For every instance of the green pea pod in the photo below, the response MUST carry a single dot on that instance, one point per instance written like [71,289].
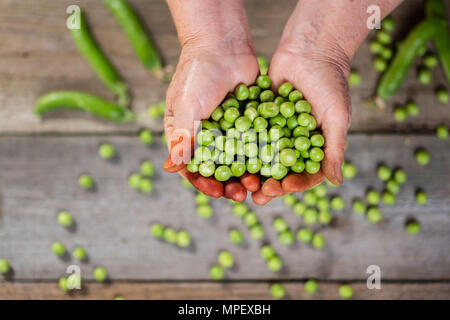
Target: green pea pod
[135,31]
[404,58]
[436,9]
[82,101]
[97,59]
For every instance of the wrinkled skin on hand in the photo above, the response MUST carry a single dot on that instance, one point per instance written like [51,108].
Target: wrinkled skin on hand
[202,80]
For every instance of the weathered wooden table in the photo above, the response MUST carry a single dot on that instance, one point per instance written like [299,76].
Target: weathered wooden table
[41,160]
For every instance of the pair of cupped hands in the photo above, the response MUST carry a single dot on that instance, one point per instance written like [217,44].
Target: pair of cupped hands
[207,72]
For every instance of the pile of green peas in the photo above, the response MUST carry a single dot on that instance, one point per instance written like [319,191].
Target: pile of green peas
[180,238]
[250,218]
[257,131]
[380,46]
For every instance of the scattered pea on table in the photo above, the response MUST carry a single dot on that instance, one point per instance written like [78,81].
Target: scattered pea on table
[311,286]
[277,291]
[106,151]
[100,274]
[79,253]
[413,227]
[216,272]
[58,248]
[65,219]
[85,181]
[236,236]
[4,266]
[345,291]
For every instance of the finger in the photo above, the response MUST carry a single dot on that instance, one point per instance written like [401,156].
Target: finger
[235,191]
[300,182]
[251,182]
[259,198]
[272,188]
[208,185]
[334,127]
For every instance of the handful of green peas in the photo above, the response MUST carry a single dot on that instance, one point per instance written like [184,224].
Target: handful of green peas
[259,131]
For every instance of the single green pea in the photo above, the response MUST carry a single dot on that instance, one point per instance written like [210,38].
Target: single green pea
[119,298]
[292,123]
[354,79]
[65,219]
[146,186]
[216,272]
[223,173]
[202,154]
[288,157]
[249,136]
[280,225]
[146,137]
[241,92]
[412,109]
[275,133]
[413,227]
[302,143]
[267,252]
[134,180]
[422,50]
[430,61]
[295,96]
[217,114]
[254,92]
[267,96]
[374,215]
[277,291]
[275,264]
[225,259]
[442,95]
[325,217]
[304,154]
[263,81]
[373,197]
[388,198]
[337,203]
[379,64]
[290,200]
[386,53]
[392,186]
[422,157]
[251,113]
[183,239]
[302,106]
[400,114]
[384,37]
[278,171]
[400,176]
[230,103]
[207,168]
[421,197]
[268,109]
[320,191]
[359,207]
[260,124]
[317,140]
[312,124]
[298,166]
[310,216]
[231,114]
[85,181]
[316,154]
[257,232]
[225,125]
[236,236]
[225,159]
[106,151]
[305,235]
[266,170]
[278,120]
[375,47]
[285,89]
[58,248]
[266,153]
[242,124]
[4,266]
[253,165]
[346,291]
[286,238]
[157,230]
[312,167]
[309,198]
[207,125]
[318,241]
[304,119]
[201,198]
[147,169]
[237,169]
[300,131]
[442,132]
[170,235]
[323,204]
[388,24]
[384,173]
[79,253]
[424,76]
[205,211]
[311,286]
[62,283]
[279,101]
[205,138]
[299,208]
[285,143]
[220,142]
[100,274]
[250,219]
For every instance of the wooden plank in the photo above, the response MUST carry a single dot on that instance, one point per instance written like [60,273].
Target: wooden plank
[40,57]
[38,177]
[219,291]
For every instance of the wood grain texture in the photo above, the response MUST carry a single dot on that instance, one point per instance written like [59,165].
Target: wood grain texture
[38,177]
[40,57]
[219,291]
